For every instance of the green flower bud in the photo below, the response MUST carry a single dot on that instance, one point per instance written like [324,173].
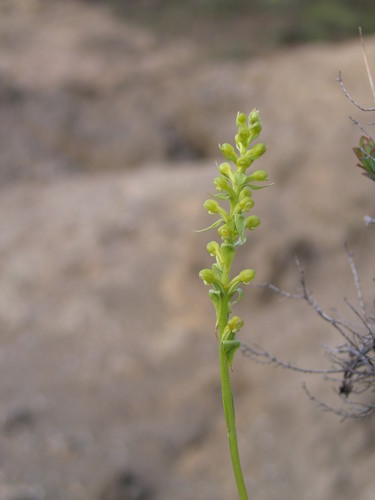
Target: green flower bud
[241,120]
[245,192]
[244,162]
[213,248]
[228,151]
[255,126]
[254,117]
[253,154]
[255,130]
[252,222]
[207,276]
[258,175]
[235,324]
[242,138]
[224,232]
[211,206]
[221,184]
[226,169]
[256,151]
[245,204]
[246,275]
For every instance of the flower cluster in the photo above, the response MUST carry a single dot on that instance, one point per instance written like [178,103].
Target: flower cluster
[234,185]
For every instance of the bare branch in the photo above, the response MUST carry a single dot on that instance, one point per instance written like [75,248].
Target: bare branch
[261,356]
[356,279]
[352,363]
[279,291]
[339,79]
[357,409]
[361,127]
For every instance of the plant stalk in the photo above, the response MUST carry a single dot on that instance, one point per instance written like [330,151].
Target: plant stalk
[229,410]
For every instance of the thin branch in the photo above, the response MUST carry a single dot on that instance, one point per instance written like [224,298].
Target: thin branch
[310,300]
[361,127]
[261,356]
[352,363]
[339,79]
[360,410]
[362,319]
[279,291]
[356,279]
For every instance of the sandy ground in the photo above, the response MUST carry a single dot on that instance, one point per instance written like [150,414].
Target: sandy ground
[109,379]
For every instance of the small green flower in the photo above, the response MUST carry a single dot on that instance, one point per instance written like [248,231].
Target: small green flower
[252,222]
[246,276]
[211,206]
[235,324]
[258,175]
[228,152]
[213,248]
[226,170]
[241,120]
[207,276]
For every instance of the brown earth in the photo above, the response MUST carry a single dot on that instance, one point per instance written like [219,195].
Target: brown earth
[109,381]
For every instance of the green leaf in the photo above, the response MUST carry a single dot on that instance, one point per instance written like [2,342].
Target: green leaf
[230,347]
[240,178]
[366,156]
[255,187]
[217,272]
[216,298]
[240,221]
[240,295]
[215,224]
[222,196]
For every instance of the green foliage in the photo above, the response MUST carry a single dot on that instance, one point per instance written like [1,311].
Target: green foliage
[366,156]
[267,22]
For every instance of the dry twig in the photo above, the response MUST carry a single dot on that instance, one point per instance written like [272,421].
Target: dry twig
[352,362]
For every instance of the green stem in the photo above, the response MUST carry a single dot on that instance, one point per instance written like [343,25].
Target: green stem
[229,410]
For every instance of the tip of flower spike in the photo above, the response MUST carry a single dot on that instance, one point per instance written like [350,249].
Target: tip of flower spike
[254,116]
[241,120]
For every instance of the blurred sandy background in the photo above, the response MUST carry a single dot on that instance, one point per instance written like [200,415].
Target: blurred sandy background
[110,116]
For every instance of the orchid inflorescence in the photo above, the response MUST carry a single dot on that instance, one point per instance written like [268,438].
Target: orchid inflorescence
[235,187]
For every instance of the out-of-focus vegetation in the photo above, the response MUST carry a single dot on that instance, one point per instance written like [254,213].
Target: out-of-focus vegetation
[261,24]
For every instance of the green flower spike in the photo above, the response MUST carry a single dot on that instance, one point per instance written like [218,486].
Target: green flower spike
[235,188]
